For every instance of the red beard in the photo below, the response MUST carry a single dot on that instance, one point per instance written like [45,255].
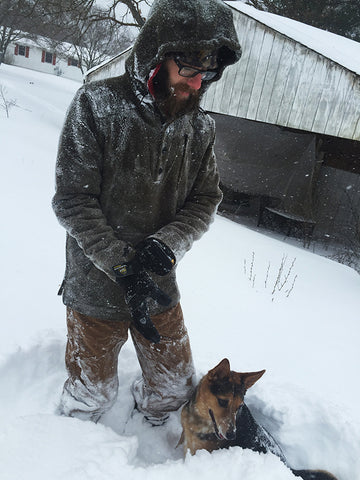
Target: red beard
[177,104]
[179,88]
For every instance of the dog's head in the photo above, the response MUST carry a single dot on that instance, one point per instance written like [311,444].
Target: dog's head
[221,394]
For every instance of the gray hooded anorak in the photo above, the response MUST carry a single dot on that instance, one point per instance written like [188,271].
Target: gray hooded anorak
[123,173]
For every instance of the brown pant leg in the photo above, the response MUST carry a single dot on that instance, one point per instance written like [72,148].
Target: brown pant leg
[91,359]
[167,367]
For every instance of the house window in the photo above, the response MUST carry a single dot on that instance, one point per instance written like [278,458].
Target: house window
[48,57]
[73,62]
[22,50]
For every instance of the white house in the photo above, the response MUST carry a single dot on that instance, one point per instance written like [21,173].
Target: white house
[39,56]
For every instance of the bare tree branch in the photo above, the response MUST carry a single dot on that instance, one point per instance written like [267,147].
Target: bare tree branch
[120,11]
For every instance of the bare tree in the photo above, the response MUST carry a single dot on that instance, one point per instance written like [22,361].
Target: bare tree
[60,18]
[51,18]
[98,40]
[6,103]
[94,33]
[12,14]
[126,12]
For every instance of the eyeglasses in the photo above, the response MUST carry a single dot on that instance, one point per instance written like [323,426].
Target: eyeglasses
[189,72]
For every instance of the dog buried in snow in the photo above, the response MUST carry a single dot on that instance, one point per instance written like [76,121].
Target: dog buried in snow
[217,417]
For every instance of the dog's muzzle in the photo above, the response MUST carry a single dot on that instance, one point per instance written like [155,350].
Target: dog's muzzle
[230,434]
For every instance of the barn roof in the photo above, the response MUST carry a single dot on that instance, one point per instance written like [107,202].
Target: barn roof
[341,50]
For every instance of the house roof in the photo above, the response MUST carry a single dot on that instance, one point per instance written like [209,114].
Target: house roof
[45,43]
[339,49]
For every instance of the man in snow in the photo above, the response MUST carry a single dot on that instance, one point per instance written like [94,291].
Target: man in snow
[136,184]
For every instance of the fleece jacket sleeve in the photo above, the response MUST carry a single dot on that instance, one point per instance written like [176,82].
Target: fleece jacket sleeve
[78,186]
[198,212]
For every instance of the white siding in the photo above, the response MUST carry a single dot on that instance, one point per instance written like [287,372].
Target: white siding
[111,68]
[283,82]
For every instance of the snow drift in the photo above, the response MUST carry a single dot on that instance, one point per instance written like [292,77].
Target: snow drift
[303,329]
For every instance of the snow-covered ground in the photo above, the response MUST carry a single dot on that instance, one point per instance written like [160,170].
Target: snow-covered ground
[305,333]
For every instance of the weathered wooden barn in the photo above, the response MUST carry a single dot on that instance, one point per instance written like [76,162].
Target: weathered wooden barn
[288,128]
[288,123]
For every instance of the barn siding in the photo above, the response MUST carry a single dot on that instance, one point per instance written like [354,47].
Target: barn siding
[280,81]
[111,68]
[352,111]
[323,112]
[300,97]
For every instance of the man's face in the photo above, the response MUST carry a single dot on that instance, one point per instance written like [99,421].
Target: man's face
[182,87]
[177,94]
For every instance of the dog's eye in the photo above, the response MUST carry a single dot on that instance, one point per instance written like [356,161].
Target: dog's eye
[223,402]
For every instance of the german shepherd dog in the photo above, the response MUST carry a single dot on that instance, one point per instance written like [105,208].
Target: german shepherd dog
[217,417]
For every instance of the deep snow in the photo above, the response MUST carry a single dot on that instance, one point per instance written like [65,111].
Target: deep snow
[306,335]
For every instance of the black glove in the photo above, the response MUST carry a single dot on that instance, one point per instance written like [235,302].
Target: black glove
[153,255]
[150,254]
[138,288]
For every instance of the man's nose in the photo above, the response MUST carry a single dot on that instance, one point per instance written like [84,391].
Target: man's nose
[194,82]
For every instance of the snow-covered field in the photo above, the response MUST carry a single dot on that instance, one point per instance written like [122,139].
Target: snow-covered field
[305,333]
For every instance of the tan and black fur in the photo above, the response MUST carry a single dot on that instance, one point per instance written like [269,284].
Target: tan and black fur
[217,417]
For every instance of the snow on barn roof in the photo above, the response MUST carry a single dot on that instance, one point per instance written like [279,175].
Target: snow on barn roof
[109,64]
[341,50]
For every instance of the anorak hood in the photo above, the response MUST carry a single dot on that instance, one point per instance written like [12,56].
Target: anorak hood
[183,26]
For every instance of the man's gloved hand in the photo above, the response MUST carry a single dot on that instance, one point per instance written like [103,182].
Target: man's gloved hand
[150,254]
[138,288]
[155,256]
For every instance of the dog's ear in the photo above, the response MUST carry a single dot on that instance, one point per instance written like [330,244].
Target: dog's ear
[250,378]
[221,371]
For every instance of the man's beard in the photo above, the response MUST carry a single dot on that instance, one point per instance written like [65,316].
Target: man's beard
[177,104]
[169,99]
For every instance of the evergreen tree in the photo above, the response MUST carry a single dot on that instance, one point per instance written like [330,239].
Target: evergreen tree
[337,16]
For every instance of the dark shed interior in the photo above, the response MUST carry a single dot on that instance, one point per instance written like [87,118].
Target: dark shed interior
[297,183]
